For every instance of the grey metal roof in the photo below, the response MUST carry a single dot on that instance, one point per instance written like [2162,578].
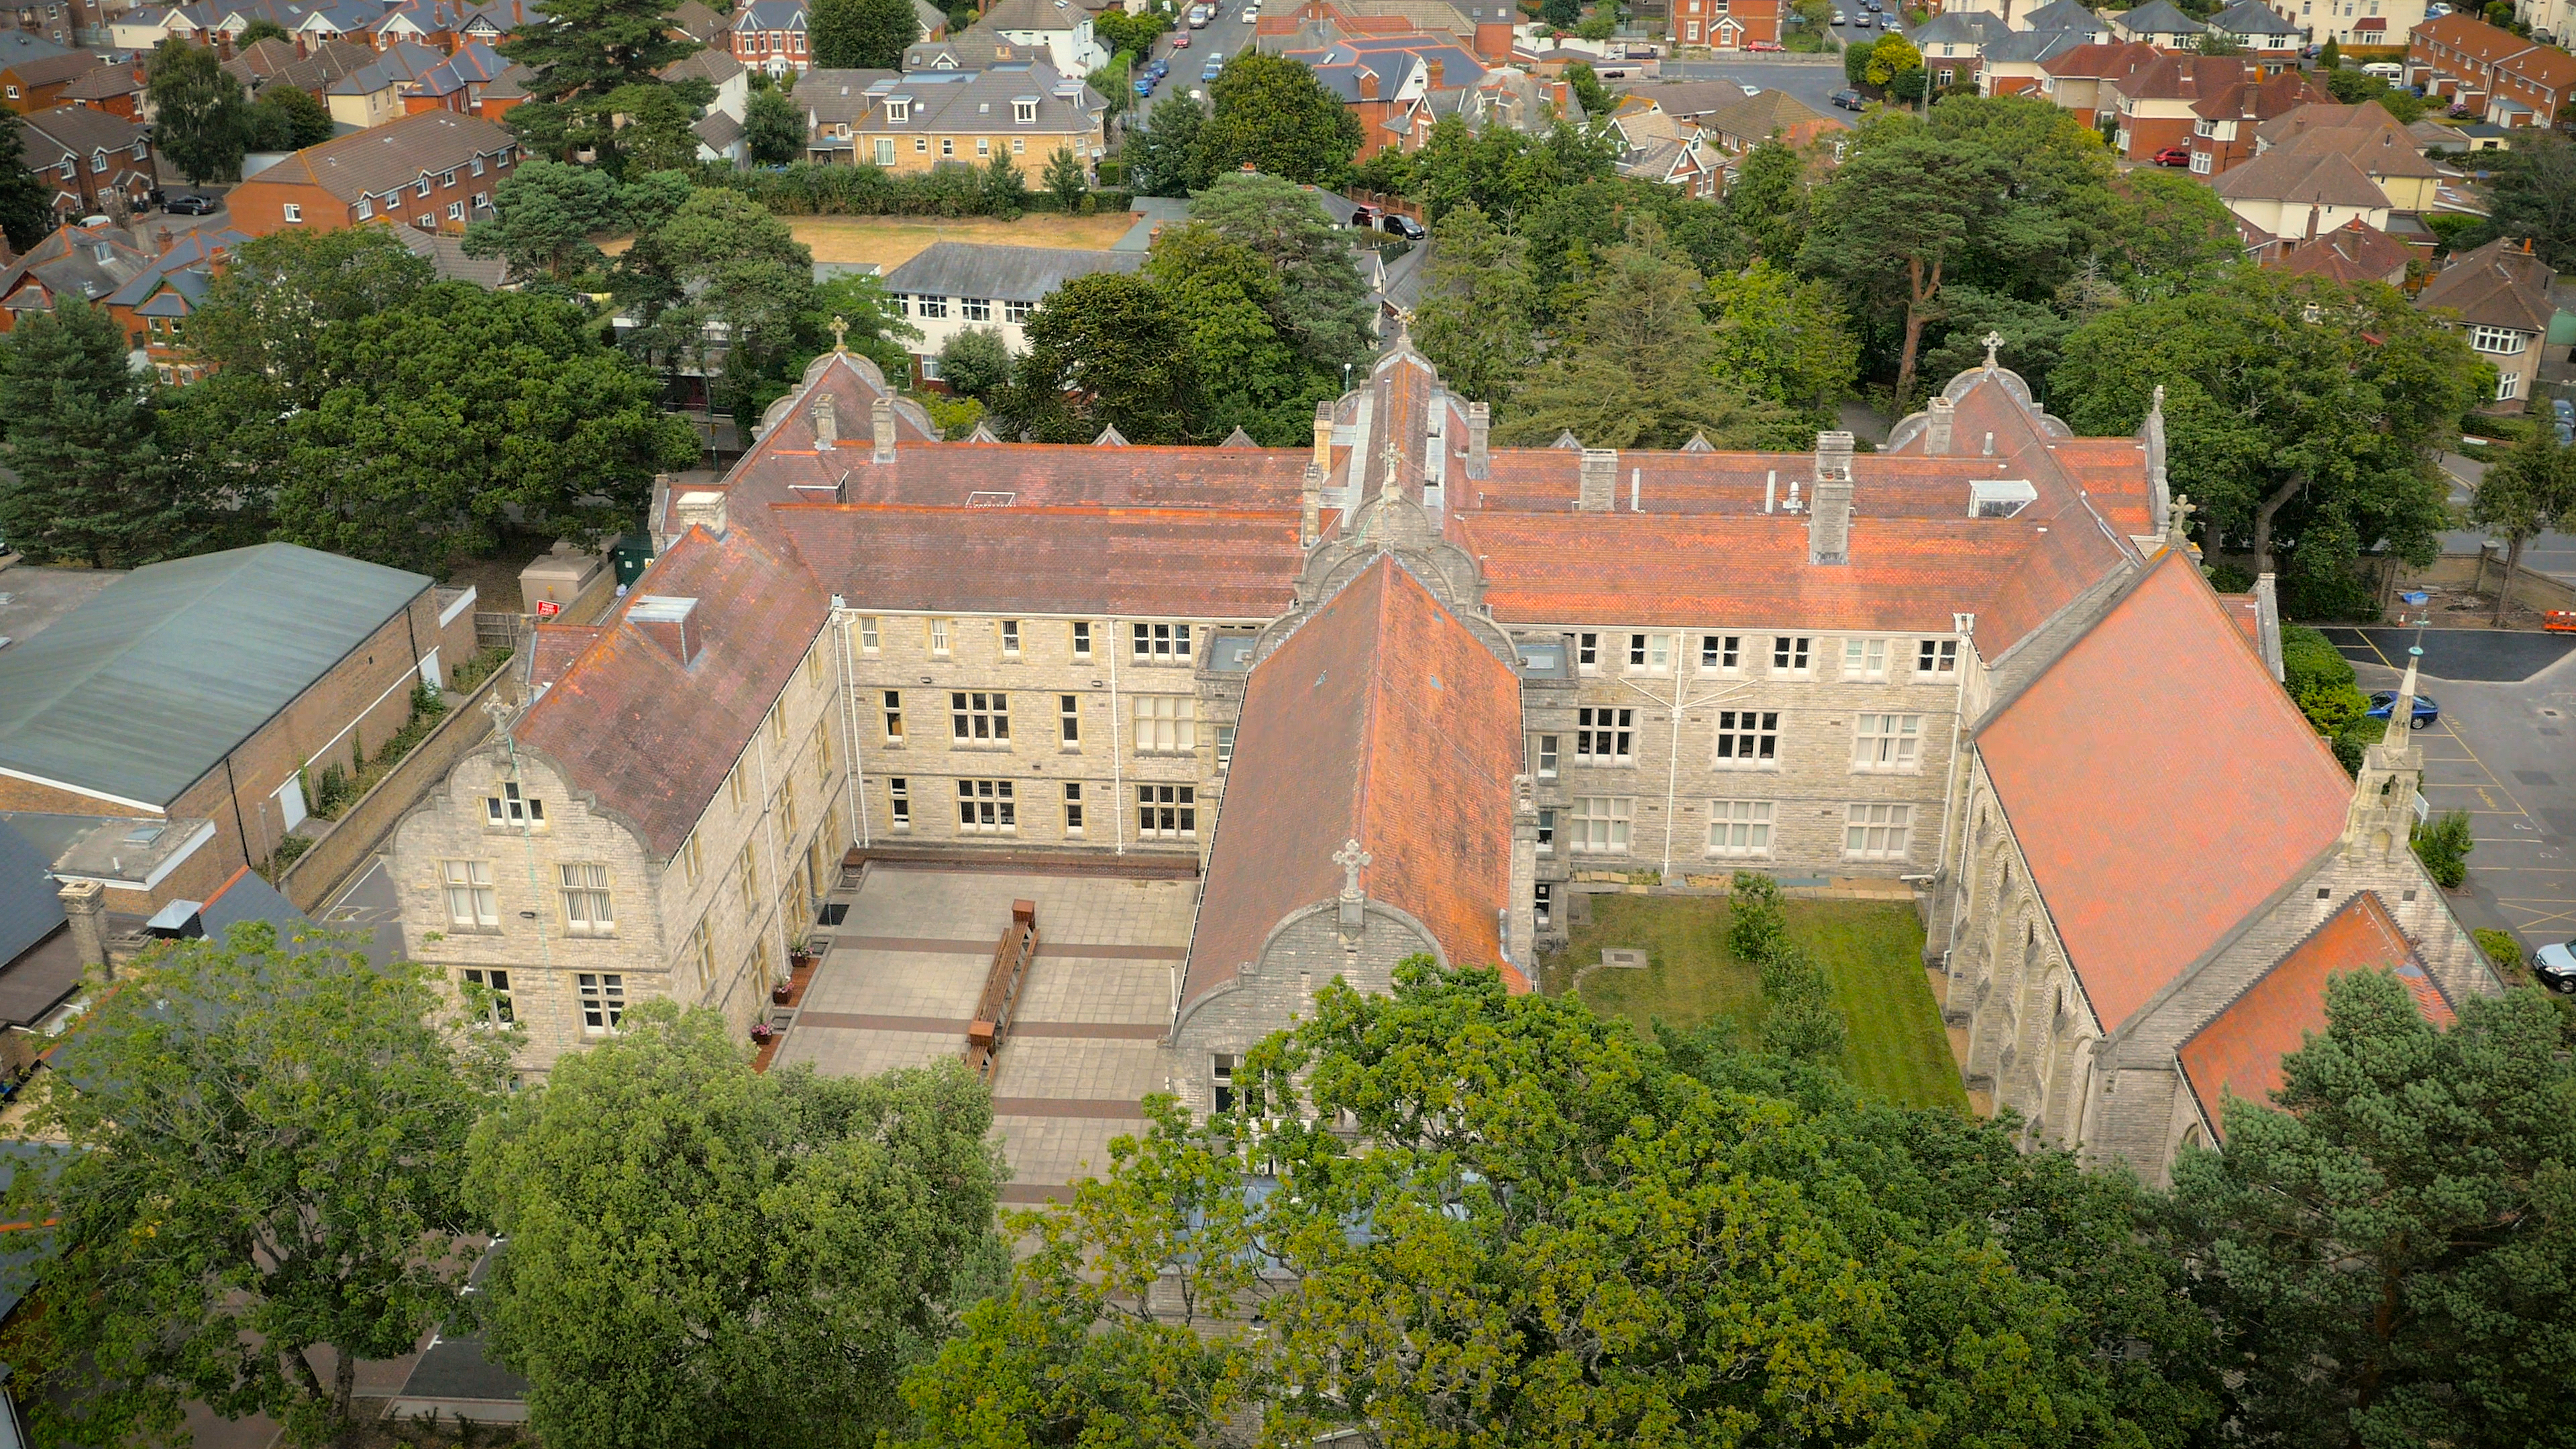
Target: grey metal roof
[246,897]
[138,692]
[1011,274]
[30,909]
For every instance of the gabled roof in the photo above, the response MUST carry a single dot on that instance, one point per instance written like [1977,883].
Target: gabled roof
[1758,117]
[103,83]
[381,158]
[197,250]
[2238,1052]
[2252,17]
[2353,252]
[45,70]
[78,130]
[91,262]
[31,906]
[1383,719]
[2114,60]
[151,682]
[714,65]
[2139,849]
[2184,77]
[695,20]
[837,97]
[2065,15]
[963,100]
[2262,99]
[2300,176]
[1017,274]
[2032,47]
[718,131]
[2500,284]
[2156,17]
[2365,133]
[770,15]
[1033,15]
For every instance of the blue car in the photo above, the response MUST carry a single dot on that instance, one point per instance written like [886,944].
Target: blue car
[2426,711]
[1144,86]
[1212,70]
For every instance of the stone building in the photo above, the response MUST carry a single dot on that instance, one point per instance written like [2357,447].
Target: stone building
[1402,692]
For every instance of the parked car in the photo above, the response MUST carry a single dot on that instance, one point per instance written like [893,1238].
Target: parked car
[2555,965]
[1750,90]
[1764,45]
[1841,19]
[189,203]
[1861,21]
[1406,227]
[2426,710]
[1144,85]
[2565,410]
[1180,40]
[1848,100]
[2172,156]
[1214,68]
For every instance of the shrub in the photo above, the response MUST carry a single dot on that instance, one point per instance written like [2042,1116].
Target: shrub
[2502,949]
[2227,578]
[1800,1021]
[2443,844]
[479,668]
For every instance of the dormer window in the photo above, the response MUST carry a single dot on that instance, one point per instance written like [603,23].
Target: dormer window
[1025,110]
[898,109]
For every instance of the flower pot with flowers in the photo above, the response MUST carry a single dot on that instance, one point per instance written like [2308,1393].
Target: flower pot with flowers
[762,1033]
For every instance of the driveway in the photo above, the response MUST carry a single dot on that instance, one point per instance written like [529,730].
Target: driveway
[2500,752]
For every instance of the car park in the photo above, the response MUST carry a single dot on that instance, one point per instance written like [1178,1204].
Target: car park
[2555,966]
[1848,100]
[2426,710]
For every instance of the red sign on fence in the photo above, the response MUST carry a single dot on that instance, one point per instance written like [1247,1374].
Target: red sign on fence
[548,608]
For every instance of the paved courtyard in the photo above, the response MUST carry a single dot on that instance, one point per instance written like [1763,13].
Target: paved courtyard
[907,963]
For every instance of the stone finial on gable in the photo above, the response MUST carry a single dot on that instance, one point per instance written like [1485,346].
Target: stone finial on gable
[1353,901]
[1110,437]
[1698,443]
[827,422]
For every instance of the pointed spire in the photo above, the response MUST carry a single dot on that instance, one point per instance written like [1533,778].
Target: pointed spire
[983,434]
[1238,439]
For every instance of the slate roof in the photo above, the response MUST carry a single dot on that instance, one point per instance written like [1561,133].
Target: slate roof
[2156,17]
[2500,284]
[244,896]
[103,83]
[698,22]
[94,263]
[1757,117]
[1016,274]
[2139,850]
[946,102]
[1381,719]
[46,136]
[717,130]
[837,97]
[445,252]
[2065,15]
[31,907]
[2238,1052]
[377,160]
[151,682]
[190,255]
[2032,47]
[2301,176]
[2253,17]
[715,65]
[44,70]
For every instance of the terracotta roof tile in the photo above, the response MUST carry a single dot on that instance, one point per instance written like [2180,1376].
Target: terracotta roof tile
[2142,852]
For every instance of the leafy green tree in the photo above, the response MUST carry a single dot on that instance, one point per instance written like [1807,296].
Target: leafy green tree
[1273,113]
[1637,368]
[1890,57]
[1477,302]
[26,201]
[1104,351]
[202,122]
[2534,197]
[1133,34]
[1322,306]
[267,1139]
[1225,299]
[646,127]
[2166,234]
[259,30]
[1563,14]
[720,256]
[287,118]
[2303,414]
[265,316]
[1005,190]
[1066,180]
[592,47]
[773,129]
[2527,492]
[88,479]
[1781,340]
[874,321]
[1767,201]
[2330,58]
[703,1255]
[544,214]
[2387,1243]
[1589,92]
[1505,173]
[863,34]
[2352,87]
[1893,220]
[1856,64]
[975,363]
[1164,158]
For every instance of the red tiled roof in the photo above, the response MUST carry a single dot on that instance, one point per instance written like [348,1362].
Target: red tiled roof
[556,647]
[2238,1052]
[2246,613]
[1382,719]
[2353,252]
[2099,61]
[2147,858]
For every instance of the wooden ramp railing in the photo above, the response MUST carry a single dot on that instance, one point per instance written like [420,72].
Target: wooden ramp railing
[1011,958]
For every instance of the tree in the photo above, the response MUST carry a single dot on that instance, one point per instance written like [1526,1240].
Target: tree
[201,124]
[1133,34]
[694,1245]
[1589,92]
[1477,299]
[2526,493]
[2214,41]
[1892,56]
[874,323]
[1505,173]
[88,479]
[1066,180]
[1894,218]
[1767,202]
[1321,306]
[591,47]
[265,316]
[2166,234]
[1005,190]
[1226,299]
[645,127]
[544,214]
[1563,14]
[863,34]
[259,30]
[1637,368]
[2304,415]
[975,363]
[2330,58]
[773,128]
[2385,1242]
[2352,87]
[720,256]
[1273,113]
[1781,340]
[1104,351]
[2535,197]
[287,118]
[26,202]
[1165,158]
[266,1143]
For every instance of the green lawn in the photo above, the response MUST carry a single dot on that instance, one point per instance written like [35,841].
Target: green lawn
[1871,952]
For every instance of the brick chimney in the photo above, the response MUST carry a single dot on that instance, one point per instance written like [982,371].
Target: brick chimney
[670,622]
[85,907]
[827,423]
[1480,434]
[881,421]
[1599,481]
[1936,427]
[1829,505]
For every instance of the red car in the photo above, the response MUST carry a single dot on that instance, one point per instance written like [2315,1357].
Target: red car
[1764,45]
[1180,40]
[2173,156]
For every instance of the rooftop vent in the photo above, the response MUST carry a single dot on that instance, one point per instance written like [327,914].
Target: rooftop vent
[670,622]
[2000,497]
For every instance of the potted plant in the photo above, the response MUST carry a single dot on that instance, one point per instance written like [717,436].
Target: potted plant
[801,952]
[778,992]
[762,1033]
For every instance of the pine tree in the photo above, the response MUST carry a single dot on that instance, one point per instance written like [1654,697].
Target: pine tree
[88,481]
[863,34]
[592,47]
[26,203]
[1065,181]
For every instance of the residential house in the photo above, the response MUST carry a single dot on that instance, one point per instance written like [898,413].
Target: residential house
[2490,71]
[2010,15]
[2366,135]
[154,307]
[2016,64]
[377,92]
[1022,109]
[1486,27]
[2353,252]
[2156,23]
[2082,80]
[58,22]
[2294,193]
[836,102]
[366,97]
[730,77]
[1953,44]
[1724,24]
[460,82]
[2369,24]
[1660,148]
[89,262]
[434,171]
[95,160]
[2500,294]
[1060,28]
[695,20]
[1739,124]
[445,253]
[1519,101]
[264,63]
[38,82]
[951,287]
[1386,79]
[1926,673]
[2257,31]
[191,699]
[2157,104]
[2223,135]
[770,35]
[720,139]
[114,88]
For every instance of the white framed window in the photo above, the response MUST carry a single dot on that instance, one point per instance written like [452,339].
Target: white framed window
[977,309]
[585,899]
[1081,639]
[986,807]
[1161,643]
[366,208]
[1604,736]
[1739,827]
[425,222]
[1598,824]
[1068,716]
[1011,636]
[1864,659]
[933,306]
[939,631]
[477,165]
[1166,724]
[1017,312]
[899,802]
[456,211]
[867,636]
[979,717]
[294,212]
[1073,808]
[920,144]
[1748,737]
[497,1007]
[1024,112]
[885,151]
[1167,812]
[1936,656]
[2508,385]
[1886,741]
[1019,145]
[1547,832]
[470,903]
[1587,652]
[1543,903]
[1224,747]
[894,716]
[1788,655]
[2202,162]
[1877,832]
[421,188]
[603,1000]
[1721,653]
[2496,339]
[1547,757]
[510,808]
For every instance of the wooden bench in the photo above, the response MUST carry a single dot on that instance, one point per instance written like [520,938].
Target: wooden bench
[1011,957]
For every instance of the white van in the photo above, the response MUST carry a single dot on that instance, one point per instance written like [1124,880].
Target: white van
[2387,70]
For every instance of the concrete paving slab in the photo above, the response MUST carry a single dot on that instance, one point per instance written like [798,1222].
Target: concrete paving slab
[899,983]
[1081,1068]
[839,1053]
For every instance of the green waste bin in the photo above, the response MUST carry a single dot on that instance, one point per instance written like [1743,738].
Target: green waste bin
[630,556]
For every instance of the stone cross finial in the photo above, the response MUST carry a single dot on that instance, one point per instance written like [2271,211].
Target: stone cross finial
[1394,457]
[1992,341]
[840,335]
[1350,858]
[2178,531]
